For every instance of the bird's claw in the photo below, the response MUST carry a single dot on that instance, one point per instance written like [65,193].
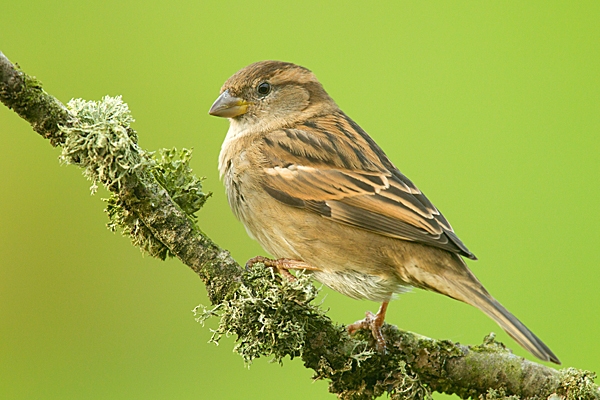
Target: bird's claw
[369,323]
[280,265]
[372,322]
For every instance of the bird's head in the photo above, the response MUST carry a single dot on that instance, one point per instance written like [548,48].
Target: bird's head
[271,94]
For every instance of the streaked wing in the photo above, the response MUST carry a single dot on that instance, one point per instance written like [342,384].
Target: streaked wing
[330,166]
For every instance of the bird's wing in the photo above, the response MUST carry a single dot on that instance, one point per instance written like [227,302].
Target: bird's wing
[330,166]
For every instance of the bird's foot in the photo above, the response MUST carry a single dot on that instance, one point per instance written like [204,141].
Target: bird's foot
[372,322]
[281,265]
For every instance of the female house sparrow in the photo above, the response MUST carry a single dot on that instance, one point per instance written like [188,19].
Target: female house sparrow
[319,194]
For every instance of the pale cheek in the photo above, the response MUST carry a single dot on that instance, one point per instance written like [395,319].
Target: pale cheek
[290,101]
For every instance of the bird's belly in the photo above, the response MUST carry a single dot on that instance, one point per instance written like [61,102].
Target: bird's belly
[358,285]
[347,260]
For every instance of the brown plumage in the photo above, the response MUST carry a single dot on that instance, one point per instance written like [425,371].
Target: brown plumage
[319,194]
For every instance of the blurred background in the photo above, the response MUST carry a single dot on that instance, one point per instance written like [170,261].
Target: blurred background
[492,109]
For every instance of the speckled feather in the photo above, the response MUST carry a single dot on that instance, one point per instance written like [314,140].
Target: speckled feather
[350,181]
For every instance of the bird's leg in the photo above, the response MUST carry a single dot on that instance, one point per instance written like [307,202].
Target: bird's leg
[374,323]
[281,265]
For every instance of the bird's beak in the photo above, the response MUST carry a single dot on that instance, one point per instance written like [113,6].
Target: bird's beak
[228,106]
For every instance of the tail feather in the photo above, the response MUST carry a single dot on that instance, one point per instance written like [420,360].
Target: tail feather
[451,277]
[511,324]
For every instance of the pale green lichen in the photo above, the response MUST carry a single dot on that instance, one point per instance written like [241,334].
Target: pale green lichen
[268,314]
[489,345]
[271,316]
[99,138]
[497,394]
[101,141]
[172,170]
[408,385]
[129,222]
[577,384]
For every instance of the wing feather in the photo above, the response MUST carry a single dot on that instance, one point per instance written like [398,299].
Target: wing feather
[351,182]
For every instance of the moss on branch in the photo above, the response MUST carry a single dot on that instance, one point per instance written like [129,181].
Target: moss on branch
[153,201]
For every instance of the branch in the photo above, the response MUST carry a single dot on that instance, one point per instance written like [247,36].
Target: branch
[154,198]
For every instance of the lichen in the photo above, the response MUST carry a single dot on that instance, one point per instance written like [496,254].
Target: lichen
[122,217]
[99,138]
[268,314]
[577,384]
[172,170]
[271,316]
[489,345]
[24,94]
[497,394]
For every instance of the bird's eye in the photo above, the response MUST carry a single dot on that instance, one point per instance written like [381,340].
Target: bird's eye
[264,88]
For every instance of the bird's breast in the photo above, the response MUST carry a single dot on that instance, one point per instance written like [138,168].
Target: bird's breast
[241,178]
[235,178]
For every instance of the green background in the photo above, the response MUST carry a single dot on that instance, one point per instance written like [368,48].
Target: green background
[492,108]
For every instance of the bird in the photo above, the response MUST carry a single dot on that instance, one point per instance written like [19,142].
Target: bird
[316,191]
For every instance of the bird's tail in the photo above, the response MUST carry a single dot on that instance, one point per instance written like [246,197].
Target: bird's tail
[464,286]
[511,324]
